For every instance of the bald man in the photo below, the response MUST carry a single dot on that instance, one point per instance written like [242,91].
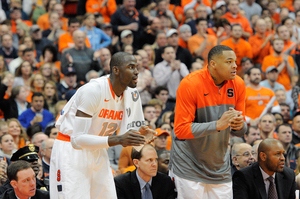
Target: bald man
[80,57]
[242,156]
[257,180]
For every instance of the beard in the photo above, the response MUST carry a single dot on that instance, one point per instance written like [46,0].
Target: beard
[278,52]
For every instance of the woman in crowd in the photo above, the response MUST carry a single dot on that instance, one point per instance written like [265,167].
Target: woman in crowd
[7,145]
[94,34]
[37,84]
[23,75]
[128,48]
[17,132]
[16,104]
[3,67]
[51,97]
[8,80]
[47,72]
[151,55]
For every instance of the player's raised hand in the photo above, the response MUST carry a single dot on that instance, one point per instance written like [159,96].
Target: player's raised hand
[132,138]
[149,134]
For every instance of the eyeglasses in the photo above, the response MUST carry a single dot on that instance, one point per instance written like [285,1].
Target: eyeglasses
[247,154]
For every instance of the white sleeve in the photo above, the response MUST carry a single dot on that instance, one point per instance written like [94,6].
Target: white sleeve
[80,139]
[88,98]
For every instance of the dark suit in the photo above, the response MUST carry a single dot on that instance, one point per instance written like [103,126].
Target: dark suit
[39,194]
[248,183]
[128,186]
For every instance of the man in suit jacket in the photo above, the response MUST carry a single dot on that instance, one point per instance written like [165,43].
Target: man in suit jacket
[22,179]
[132,185]
[251,182]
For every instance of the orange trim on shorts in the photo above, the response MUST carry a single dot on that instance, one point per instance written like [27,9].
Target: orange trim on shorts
[63,137]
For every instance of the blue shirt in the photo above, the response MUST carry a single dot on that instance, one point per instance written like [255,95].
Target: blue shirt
[266,84]
[28,115]
[143,183]
[96,36]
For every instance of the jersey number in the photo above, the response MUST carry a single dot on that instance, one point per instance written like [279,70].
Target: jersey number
[108,129]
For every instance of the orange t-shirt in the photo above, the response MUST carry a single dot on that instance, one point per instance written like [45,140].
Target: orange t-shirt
[182,43]
[243,21]
[258,52]
[195,41]
[14,25]
[256,101]
[177,11]
[212,32]
[94,6]
[43,22]
[241,49]
[276,18]
[66,41]
[283,76]
[125,160]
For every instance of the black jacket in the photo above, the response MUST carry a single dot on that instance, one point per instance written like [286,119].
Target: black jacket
[8,106]
[39,194]
[248,183]
[128,187]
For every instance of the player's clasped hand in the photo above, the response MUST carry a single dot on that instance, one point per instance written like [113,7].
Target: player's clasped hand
[132,138]
[232,118]
[149,134]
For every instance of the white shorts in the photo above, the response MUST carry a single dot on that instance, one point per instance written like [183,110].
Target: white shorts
[187,189]
[80,174]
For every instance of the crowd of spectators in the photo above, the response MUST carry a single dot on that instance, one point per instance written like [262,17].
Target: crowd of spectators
[49,48]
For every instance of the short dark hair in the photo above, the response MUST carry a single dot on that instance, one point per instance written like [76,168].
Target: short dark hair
[162,151]
[244,59]
[48,129]
[217,50]
[284,124]
[284,104]
[164,48]
[15,167]
[73,20]
[118,59]
[27,50]
[33,129]
[234,25]
[250,69]
[158,89]
[15,91]
[138,154]
[147,105]
[37,94]
[279,26]
[198,20]
[248,129]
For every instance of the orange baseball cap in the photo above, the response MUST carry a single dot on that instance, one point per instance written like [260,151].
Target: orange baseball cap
[160,132]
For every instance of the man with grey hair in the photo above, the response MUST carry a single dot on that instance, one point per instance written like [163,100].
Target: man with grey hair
[242,155]
[37,140]
[80,57]
[185,33]
[46,149]
[92,74]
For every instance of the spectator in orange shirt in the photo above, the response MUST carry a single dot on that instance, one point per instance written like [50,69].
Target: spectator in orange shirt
[65,41]
[185,33]
[234,17]
[257,97]
[15,15]
[201,43]
[283,62]
[284,34]
[105,7]
[270,25]
[43,21]
[241,47]
[177,11]
[221,29]
[272,6]
[260,42]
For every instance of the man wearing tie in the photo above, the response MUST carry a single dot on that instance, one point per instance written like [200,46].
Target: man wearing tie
[145,182]
[268,178]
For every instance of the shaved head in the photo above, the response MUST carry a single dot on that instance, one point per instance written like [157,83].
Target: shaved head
[266,145]
[118,59]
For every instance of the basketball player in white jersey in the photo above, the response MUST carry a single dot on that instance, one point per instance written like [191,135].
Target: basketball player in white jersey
[79,167]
